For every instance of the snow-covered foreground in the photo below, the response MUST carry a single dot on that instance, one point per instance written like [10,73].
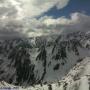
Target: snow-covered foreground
[78,78]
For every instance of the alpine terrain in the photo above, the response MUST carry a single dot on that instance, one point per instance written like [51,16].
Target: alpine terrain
[56,62]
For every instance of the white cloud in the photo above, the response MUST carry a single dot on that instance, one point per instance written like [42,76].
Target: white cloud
[12,11]
[49,25]
[15,10]
[33,8]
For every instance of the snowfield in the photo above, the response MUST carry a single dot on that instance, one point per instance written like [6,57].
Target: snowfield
[78,78]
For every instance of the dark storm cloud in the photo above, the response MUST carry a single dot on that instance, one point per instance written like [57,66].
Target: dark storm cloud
[10,26]
[11,29]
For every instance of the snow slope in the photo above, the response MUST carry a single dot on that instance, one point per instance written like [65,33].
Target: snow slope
[78,78]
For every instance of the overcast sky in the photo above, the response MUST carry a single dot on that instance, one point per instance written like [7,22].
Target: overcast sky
[20,18]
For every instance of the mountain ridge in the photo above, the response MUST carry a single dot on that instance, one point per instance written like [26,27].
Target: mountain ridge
[43,60]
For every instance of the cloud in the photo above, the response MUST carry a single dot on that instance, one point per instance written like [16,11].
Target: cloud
[34,8]
[12,13]
[10,29]
[17,18]
[30,8]
[9,9]
[48,25]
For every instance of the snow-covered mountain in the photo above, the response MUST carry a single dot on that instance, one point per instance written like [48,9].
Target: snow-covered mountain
[43,60]
[78,78]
